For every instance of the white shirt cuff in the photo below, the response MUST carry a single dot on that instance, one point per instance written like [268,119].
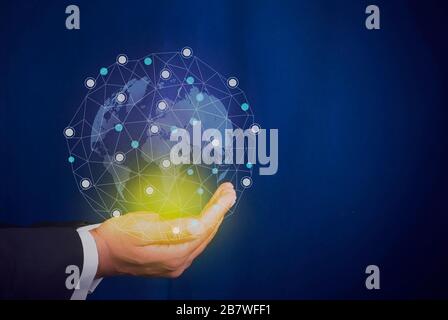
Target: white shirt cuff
[87,281]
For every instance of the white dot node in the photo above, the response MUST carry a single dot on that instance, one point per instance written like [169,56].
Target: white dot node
[166,163]
[187,52]
[149,190]
[85,183]
[116,213]
[246,182]
[121,97]
[119,157]
[122,59]
[162,105]
[216,143]
[69,132]
[165,74]
[154,129]
[232,82]
[90,83]
[176,230]
[255,129]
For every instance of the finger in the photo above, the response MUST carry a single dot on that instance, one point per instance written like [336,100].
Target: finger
[212,218]
[168,251]
[181,230]
[189,251]
[147,228]
[218,206]
[197,251]
[222,187]
[150,230]
[206,226]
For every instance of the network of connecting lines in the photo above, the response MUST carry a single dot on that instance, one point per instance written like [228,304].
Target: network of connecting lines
[119,139]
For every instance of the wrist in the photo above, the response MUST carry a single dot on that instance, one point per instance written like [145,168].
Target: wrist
[104,260]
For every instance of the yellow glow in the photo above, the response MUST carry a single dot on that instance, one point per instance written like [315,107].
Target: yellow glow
[170,192]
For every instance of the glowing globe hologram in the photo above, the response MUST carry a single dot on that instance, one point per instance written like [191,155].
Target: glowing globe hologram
[120,135]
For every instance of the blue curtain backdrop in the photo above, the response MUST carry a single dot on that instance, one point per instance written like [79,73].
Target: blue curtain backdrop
[363,137]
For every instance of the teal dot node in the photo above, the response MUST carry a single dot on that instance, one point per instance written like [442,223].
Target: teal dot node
[147,61]
[190,80]
[190,172]
[215,170]
[71,159]
[118,127]
[103,71]
[245,106]
[134,144]
[249,165]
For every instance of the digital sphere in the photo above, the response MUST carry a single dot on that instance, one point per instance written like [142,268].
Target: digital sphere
[119,139]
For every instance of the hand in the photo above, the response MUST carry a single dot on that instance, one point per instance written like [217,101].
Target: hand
[141,244]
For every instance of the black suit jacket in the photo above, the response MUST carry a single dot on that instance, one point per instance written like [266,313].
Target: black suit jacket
[33,261]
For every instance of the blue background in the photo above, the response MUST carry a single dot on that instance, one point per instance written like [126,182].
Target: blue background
[363,137]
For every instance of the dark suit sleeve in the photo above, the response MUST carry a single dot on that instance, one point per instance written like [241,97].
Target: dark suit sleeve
[33,262]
